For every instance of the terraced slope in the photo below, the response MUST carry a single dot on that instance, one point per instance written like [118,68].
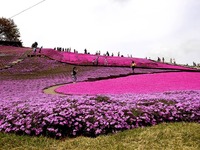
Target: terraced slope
[10,55]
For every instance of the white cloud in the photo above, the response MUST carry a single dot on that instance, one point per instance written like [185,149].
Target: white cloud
[121,1]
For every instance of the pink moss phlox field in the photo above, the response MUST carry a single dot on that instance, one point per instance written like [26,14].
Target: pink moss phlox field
[77,58]
[36,114]
[148,83]
[25,109]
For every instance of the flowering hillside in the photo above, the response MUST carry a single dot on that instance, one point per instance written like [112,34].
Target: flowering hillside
[103,107]
[87,59]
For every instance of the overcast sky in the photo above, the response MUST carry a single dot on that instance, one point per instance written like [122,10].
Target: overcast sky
[143,28]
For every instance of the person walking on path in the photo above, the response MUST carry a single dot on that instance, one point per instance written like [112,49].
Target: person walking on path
[133,64]
[74,72]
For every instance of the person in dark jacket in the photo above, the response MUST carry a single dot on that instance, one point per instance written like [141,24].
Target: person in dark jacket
[74,73]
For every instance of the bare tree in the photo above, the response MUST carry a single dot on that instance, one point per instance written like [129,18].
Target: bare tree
[8,30]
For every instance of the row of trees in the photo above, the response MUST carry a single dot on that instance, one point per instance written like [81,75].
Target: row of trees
[9,30]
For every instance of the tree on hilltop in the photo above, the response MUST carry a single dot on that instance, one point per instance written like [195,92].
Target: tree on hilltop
[8,30]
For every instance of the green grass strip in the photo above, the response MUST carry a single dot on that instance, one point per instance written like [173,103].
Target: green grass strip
[168,136]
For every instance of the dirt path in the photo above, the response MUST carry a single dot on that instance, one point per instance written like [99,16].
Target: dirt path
[51,90]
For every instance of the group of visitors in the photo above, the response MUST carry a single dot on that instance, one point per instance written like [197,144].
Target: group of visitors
[74,70]
[61,49]
[159,59]
[86,52]
[96,61]
[196,65]
[112,54]
[172,61]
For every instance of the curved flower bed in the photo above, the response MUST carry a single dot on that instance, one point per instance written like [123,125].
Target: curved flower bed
[148,83]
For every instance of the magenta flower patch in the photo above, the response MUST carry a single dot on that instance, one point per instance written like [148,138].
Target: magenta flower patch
[148,83]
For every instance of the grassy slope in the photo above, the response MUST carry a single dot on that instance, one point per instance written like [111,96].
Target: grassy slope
[164,136]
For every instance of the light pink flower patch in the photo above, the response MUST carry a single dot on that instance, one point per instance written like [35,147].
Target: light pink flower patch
[147,83]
